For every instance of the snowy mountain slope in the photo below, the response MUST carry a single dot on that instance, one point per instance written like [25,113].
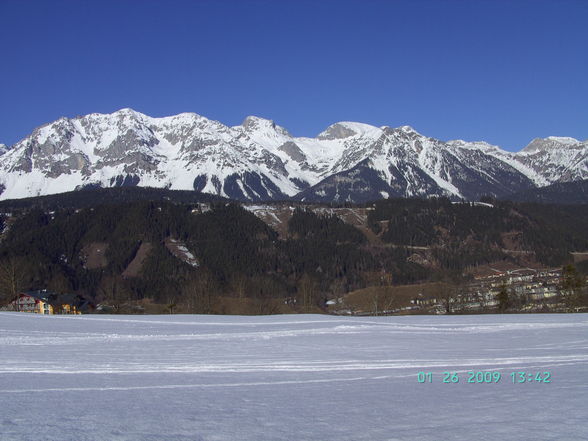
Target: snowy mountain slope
[556,159]
[402,163]
[259,160]
[3,150]
[128,148]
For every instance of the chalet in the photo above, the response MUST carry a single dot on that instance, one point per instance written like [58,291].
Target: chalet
[33,301]
[46,302]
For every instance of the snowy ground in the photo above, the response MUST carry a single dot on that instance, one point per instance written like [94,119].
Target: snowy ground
[290,378]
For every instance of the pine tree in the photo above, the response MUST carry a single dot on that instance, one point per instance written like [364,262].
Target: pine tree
[503,298]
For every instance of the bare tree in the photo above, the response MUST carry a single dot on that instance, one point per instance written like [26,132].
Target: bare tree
[307,291]
[12,278]
[376,302]
[383,300]
[112,291]
[198,294]
[452,291]
[447,294]
[572,287]
[59,283]
[265,305]
[392,301]
[337,287]
[239,285]
[171,305]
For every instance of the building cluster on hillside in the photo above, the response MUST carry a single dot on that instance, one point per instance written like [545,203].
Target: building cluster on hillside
[528,284]
[526,289]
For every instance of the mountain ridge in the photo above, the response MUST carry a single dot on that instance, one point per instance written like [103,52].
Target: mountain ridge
[260,160]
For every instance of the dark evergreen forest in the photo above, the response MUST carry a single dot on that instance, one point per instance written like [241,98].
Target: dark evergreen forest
[51,244]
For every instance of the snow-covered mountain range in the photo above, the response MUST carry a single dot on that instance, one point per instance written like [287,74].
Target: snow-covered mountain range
[259,160]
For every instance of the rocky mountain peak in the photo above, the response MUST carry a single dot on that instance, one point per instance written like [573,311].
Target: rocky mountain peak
[481,145]
[550,143]
[128,112]
[256,123]
[402,132]
[563,140]
[408,129]
[336,131]
[347,129]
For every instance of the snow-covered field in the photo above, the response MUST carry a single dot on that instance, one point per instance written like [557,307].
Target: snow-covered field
[290,378]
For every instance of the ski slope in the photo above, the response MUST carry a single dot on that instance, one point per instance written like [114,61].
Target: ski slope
[302,377]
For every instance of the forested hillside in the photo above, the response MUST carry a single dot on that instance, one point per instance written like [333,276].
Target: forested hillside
[466,234]
[91,197]
[193,256]
[575,192]
[237,254]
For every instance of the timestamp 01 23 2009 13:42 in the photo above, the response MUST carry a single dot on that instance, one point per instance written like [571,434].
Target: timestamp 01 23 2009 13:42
[487,377]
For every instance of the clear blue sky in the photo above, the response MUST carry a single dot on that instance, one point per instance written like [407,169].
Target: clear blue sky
[500,71]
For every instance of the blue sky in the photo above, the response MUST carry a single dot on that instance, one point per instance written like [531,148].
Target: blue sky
[500,71]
